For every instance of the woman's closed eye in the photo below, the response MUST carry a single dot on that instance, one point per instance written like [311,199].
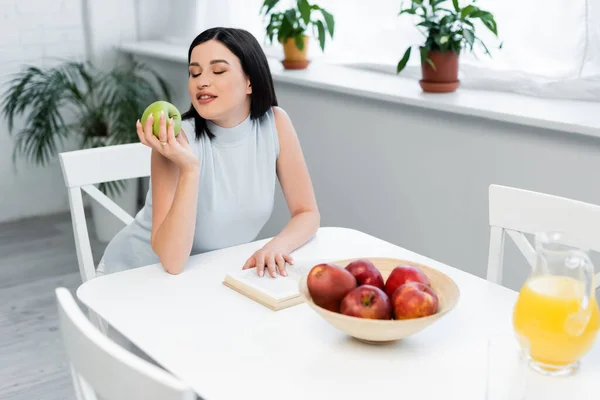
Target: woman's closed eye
[198,74]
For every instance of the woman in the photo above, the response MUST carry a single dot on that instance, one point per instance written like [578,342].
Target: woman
[217,190]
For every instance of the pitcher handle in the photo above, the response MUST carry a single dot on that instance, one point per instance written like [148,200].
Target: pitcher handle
[577,323]
[579,258]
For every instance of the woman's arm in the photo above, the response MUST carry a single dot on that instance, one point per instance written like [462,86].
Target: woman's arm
[300,197]
[174,197]
[175,172]
[297,189]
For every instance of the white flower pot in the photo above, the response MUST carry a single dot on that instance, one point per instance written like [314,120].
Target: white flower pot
[105,223]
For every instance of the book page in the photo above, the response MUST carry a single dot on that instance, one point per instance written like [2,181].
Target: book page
[279,288]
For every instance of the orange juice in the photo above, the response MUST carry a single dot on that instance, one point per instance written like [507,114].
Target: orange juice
[544,313]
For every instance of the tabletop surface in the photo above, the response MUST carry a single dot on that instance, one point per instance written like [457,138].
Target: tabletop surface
[226,346]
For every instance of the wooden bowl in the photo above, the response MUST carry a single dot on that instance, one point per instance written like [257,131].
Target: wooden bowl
[381,331]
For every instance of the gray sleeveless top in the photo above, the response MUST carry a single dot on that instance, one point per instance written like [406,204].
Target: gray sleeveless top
[235,193]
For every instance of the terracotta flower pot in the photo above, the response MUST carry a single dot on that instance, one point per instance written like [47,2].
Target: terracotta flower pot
[444,78]
[295,58]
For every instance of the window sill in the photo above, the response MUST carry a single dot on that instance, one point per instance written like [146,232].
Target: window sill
[562,115]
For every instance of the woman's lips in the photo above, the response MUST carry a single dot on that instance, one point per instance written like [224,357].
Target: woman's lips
[205,98]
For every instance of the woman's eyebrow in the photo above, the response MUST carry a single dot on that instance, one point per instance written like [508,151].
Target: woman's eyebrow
[195,64]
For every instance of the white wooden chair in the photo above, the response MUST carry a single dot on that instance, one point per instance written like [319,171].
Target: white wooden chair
[102,369]
[84,168]
[518,212]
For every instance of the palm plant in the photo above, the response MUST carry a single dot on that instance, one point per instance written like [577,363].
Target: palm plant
[76,99]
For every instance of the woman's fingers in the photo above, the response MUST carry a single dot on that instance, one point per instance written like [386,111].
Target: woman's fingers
[151,140]
[273,262]
[148,129]
[280,265]
[162,128]
[289,259]
[171,133]
[260,263]
[271,265]
[250,263]
[140,132]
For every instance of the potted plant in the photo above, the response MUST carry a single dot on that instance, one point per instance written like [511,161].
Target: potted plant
[290,26]
[74,100]
[447,31]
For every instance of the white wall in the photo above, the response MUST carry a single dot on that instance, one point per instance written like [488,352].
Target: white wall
[36,32]
[33,32]
[416,178]
[419,179]
[108,23]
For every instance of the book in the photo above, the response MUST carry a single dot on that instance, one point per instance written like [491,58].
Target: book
[275,293]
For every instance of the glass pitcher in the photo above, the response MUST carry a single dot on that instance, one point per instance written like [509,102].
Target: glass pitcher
[556,312]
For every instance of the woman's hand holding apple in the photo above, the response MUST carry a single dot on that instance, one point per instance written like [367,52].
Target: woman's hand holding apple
[177,149]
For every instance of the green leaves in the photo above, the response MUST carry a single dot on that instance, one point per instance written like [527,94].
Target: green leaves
[112,188]
[489,21]
[446,29]
[403,60]
[455,4]
[299,42]
[103,106]
[305,10]
[126,93]
[410,11]
[268,4]
[321,34]
[272,26]
[293,22]
[467,11]
[473,12]
[427,24]
[425,57]
[434,3]
[469,36]
[43,93]
[447,20]
[329,21]
[287,27]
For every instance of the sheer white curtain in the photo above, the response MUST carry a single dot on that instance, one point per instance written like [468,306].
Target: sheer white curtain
[551,48]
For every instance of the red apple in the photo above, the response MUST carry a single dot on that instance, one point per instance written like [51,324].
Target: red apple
[368,302]
[414,300]
[402,274]
[366,273]
[328,284]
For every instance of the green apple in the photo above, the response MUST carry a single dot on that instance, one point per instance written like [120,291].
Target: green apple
[170,112]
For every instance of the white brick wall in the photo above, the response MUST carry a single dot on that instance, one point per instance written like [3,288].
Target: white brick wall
[35,32]
[40,32]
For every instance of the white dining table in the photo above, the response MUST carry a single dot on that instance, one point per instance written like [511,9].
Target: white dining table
[226,346]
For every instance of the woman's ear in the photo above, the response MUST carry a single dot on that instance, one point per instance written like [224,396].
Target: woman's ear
[248,86]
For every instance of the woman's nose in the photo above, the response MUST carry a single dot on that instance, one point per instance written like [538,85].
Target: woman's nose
[203,81]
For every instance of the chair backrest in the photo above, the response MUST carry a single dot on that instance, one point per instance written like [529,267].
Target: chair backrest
[102,369]
[82,169]
[518,212]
